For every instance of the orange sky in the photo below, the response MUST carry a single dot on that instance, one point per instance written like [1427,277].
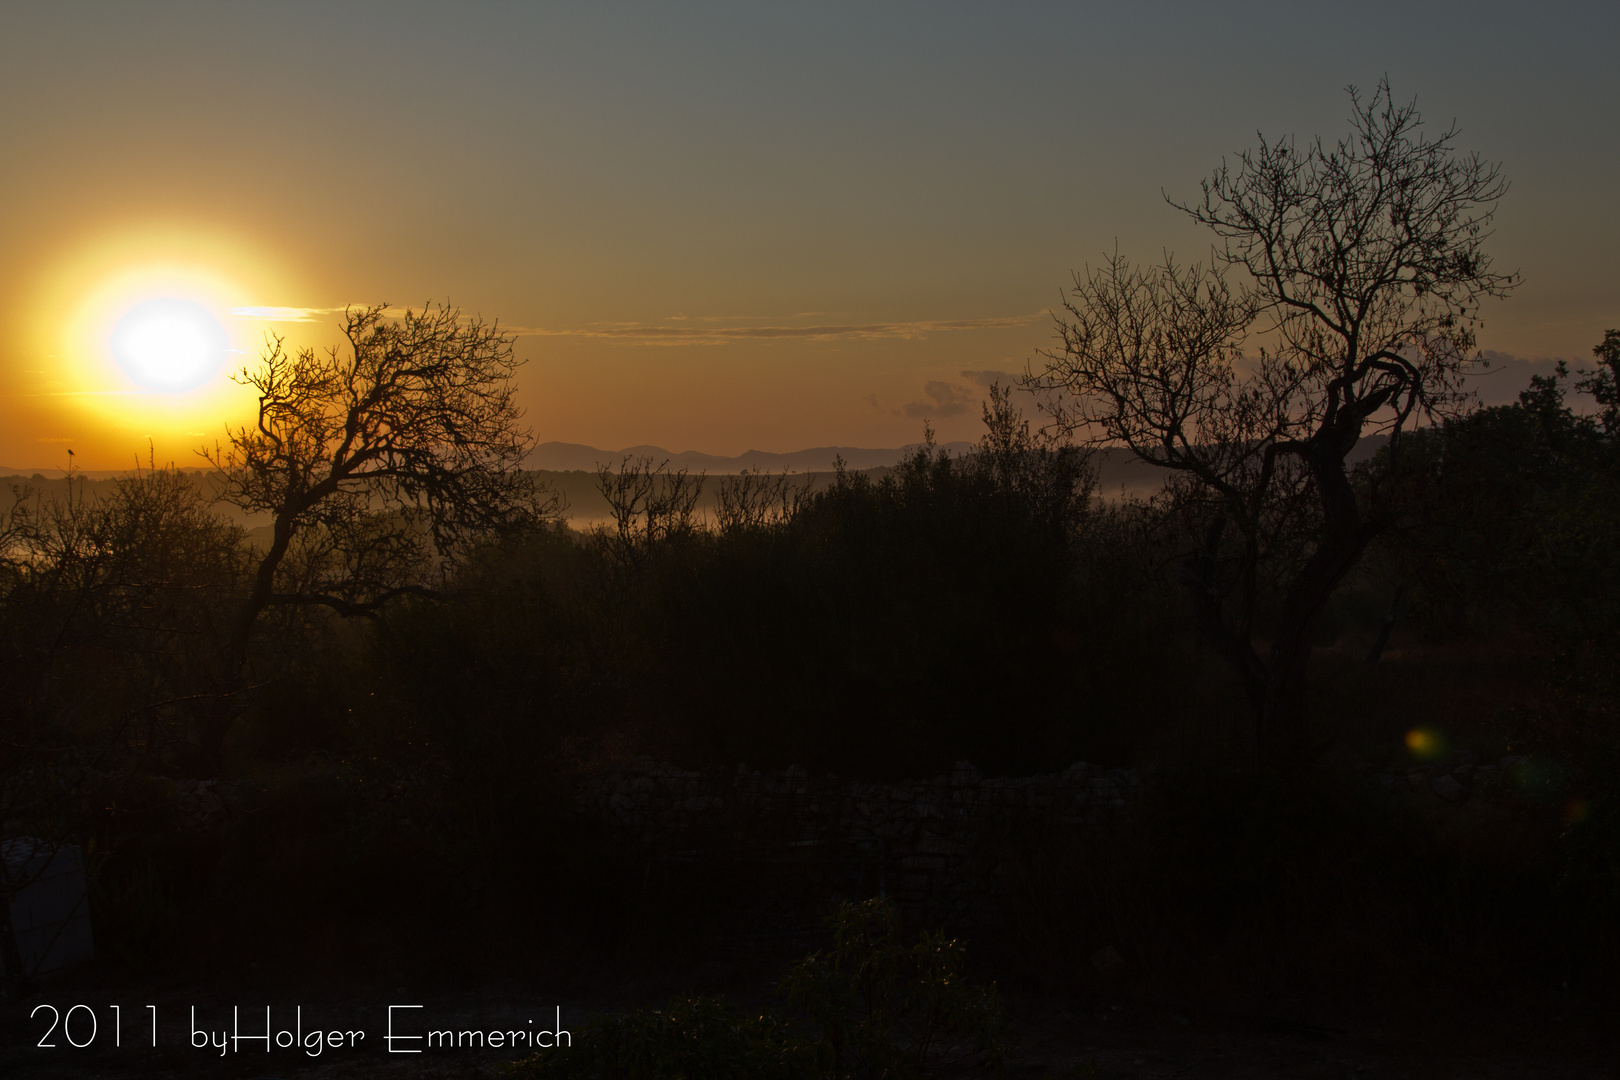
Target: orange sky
[718,228]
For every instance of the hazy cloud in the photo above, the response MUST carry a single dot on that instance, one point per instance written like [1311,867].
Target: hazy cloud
[946,397]
[310,314]
[985,378]
[1504,375]
[716,335]
[942,399]
[711,332]
[283,314]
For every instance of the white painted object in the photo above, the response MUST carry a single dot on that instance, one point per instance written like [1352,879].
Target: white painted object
[50,912]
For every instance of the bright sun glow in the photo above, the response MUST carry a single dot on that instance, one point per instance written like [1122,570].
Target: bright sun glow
[136,332]
[170,344]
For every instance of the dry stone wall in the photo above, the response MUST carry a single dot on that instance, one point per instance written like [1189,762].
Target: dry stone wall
[932,844]
[940,846]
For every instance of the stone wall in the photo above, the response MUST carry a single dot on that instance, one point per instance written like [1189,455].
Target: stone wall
[934,845]
[941,846]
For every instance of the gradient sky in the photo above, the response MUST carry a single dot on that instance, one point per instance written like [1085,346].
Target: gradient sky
[718,227]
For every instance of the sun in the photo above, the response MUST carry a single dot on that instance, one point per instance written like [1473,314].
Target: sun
[170,344]
[154,329]
[134,333]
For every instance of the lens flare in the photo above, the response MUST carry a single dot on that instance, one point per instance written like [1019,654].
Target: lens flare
[1425,743]
[170,345]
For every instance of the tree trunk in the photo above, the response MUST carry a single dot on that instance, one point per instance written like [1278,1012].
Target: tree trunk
[1233,643]
[1344,535]
[218,720]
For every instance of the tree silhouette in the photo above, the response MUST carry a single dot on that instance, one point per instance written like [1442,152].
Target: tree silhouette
[1357,269]
[378,465]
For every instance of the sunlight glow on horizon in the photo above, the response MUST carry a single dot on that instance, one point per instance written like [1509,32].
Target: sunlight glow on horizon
[139,330]
[716,228]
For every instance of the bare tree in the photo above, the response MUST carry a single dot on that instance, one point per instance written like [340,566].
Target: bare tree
[1342,299]
[651,504]
[378,465]
[752,500]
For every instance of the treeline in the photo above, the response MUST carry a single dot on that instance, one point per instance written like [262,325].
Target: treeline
[956,608]
[989,607]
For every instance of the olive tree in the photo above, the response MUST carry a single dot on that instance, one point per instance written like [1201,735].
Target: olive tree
[378,463]
[1342,299]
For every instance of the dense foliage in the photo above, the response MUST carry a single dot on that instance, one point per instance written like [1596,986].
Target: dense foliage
[989,607]
[888,626]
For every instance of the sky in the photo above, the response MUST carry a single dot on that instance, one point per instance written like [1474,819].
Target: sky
[714,227]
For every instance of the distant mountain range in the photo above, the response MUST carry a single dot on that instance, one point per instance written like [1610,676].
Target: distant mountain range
[569,457]
[1118,472]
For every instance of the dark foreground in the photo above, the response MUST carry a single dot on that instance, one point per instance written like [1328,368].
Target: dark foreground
[1555,1037]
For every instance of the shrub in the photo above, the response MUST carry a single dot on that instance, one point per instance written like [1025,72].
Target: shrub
[884,1011]
[890,1010]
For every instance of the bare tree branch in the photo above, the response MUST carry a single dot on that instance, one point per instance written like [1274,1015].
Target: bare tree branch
[1359,270]
[380,464]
